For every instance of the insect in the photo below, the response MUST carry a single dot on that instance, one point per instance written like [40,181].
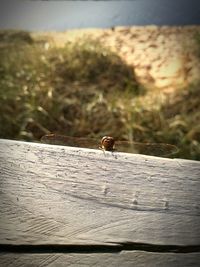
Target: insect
[108,143]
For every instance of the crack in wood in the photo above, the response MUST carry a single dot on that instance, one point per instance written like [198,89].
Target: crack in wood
[111,248]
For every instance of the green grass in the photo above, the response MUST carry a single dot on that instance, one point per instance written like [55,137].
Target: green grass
[84,89]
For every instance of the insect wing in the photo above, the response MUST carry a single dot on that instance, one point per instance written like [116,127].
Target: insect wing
[153,149]
[56,139]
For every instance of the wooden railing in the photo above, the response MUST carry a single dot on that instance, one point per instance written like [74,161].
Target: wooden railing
[65,206]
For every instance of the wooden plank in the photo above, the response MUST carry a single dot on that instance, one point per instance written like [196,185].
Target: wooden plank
[125,259]
[64,195]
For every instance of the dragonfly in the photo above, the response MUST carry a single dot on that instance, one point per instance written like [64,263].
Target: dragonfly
[108,143]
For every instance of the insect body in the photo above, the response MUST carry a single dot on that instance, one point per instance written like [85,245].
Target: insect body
[108,143]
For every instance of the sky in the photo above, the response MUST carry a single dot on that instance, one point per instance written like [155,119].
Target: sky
[62,15]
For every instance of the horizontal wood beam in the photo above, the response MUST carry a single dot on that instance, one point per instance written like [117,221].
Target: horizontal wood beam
[64,205]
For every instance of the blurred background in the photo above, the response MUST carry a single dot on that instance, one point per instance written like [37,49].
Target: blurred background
[129,69]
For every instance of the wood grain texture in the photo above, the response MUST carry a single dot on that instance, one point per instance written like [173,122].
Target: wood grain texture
[65,195]
[124,259]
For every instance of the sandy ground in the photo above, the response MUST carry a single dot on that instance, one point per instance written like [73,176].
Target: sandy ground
[162,57]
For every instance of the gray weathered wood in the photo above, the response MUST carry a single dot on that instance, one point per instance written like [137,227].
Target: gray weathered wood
[124,259]
[64,195]
[69,196]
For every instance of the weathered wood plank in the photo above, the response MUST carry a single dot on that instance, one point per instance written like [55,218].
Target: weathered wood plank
[64,195]
[125,259]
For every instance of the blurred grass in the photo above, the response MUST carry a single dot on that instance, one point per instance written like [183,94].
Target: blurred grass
[84,89]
